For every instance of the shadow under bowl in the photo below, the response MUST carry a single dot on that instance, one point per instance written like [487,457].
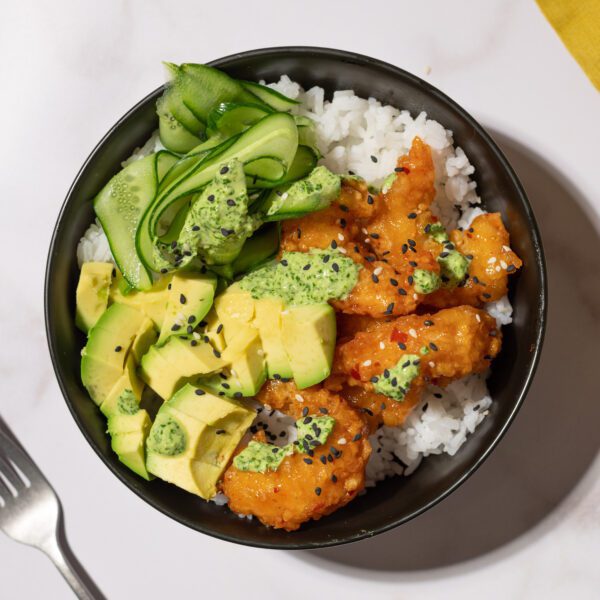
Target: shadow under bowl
[395,500]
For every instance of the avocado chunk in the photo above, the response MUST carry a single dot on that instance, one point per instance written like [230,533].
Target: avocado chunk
[246,361]
[105,354]
[144,338]
[152,302]
[193,437]
[130,382]
[314,192]
[189,300]
[214,330]
[128,427]
[268,322]
[454,267]
[234,308]
[309,341]
[165,369]
[92,293]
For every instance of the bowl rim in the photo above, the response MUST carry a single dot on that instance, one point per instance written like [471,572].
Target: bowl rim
[540,315]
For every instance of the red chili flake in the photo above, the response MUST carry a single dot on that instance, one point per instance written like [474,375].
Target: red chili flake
[355,374]
[434,218]
[398,336]
[275,490]
[406,170]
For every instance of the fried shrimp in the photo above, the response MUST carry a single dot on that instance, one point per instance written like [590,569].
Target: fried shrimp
[305,485]
[450,344]
[486,244]
[381,289]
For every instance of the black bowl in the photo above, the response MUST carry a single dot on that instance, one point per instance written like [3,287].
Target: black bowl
[393,501]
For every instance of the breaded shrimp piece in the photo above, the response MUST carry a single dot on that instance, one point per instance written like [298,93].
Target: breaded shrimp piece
[378,409]
[349,325]
[304,486]
[397,230]
[486,243]
[451,344]
[381,290]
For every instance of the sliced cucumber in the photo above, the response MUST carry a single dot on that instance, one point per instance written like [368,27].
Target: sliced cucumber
[275,136]
[192,158]
[304,162]
[258,249]
[172,102]
[164,161]
[269,96]
[174,135]
[268,168]
[202,88]
[120,206]
[230,119]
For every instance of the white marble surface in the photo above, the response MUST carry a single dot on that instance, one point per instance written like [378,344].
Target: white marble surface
[526,525]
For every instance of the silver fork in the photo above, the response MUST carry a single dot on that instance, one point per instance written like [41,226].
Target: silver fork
[31,513]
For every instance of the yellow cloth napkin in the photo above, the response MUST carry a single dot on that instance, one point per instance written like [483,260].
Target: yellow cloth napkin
[577,23]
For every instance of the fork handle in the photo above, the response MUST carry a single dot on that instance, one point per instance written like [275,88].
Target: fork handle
[71,569]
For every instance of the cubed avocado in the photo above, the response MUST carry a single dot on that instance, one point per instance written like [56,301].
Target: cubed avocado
[165,369]
[309,340]
[193,437]
[92,293]
[128,431]
[234,307]
[246,361]
[145,337]
[128,381]
[267,320]
[214,330]
[190,298]
[152,302]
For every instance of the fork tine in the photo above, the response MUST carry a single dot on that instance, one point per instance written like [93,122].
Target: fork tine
[9,473]
[15,452]
[5,493]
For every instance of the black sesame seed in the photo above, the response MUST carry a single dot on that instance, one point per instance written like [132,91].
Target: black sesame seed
[305,411]
[368,411]
[373,158]
[374,379]
[182,299]
[318,491]
[176,327]
[189,329]
[433,346]
[191,318]
[357,437]
[237,394]
[226,232]
[224,170]
[410,279]
[306,267]
[195,228]
[308,461]
[323,459]
[402,291]
[206,339]
[193,343]
[411,242]
[412,263]
[404,248]
[375,236]
[211,198]
[276,376]
[200,392]
[118,348]
[370,199]
[427,323]
[399,169]
[284,263]
[401,346]
[230,202]
[220,432]
[334,479]
[412,215]
[307,420]
[344,208]
[226,385]
[217,353]
[386,373]
[323,410]
[471,230]
[486,295]
[438,395]
[334,244]
[220,328]
[469,256]
[163,271]
[389,309]
[326,258]
[425,407]
[444,254]
[375,278]
[343,223]
[370,258]
[394,282]
[510,268]
[335,267]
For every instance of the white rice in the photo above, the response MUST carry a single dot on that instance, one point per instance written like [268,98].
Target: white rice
[364,137]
